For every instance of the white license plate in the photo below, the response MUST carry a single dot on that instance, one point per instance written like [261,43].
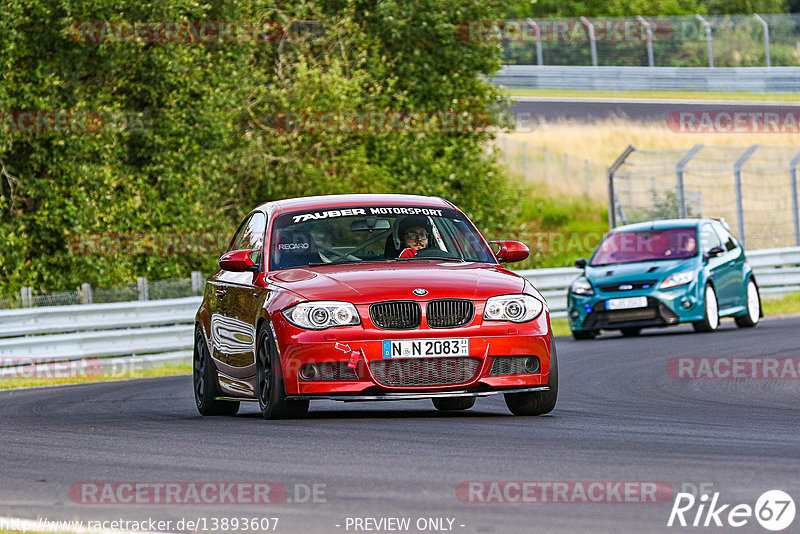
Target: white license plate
[627,303]
[421,348]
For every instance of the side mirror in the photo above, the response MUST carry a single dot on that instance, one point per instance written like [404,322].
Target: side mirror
[511,251]
[580,263]
[715,252]
[240,261]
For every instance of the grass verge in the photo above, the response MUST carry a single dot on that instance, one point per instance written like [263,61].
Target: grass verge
[787,304]
[167,369]
[672,95]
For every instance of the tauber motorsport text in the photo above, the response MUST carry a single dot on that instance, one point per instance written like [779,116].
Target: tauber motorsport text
[774,510]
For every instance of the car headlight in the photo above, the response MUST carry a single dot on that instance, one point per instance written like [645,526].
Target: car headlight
[322,314]
[514,308]
[581,286]
[677,279]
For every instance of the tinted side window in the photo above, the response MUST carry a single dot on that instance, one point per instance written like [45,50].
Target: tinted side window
[708,239]
[729,242]
[251,234]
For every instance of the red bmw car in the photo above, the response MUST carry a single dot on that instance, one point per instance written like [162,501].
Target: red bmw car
[370,297]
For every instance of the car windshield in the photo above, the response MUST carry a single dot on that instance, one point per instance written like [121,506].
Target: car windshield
[650,245]
[373,233]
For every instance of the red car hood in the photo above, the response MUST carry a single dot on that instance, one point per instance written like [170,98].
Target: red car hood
[374,282]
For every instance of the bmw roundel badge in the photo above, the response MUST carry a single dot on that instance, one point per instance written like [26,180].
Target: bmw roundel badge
[420,292]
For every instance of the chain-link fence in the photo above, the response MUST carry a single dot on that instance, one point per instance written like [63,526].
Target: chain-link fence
[560,173]
[754,188]
[143,290]
[680,41]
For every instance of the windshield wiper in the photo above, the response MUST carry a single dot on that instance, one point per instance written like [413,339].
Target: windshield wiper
[340,262]
[438,258]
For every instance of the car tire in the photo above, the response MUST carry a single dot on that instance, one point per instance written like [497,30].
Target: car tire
[270,386]
[205,383]
[449,404]
[584,334]
[631,332]
[537,402]
[753,303]
[710,320]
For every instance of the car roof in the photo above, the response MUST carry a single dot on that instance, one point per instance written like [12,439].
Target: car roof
[663,224]
[340,201]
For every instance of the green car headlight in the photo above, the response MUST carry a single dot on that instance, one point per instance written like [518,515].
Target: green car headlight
[677,279]
[581,286]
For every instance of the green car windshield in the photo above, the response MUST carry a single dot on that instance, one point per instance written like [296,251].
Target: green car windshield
[648,245]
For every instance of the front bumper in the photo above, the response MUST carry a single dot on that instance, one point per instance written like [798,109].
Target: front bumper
[414,396]
[379,378]
[664,308]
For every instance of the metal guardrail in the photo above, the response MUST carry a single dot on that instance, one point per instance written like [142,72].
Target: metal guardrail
[750,79]
[66,333]
[103,343]
[61,319]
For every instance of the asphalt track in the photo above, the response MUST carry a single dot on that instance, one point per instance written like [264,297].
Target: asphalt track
[640,109]
[620,417]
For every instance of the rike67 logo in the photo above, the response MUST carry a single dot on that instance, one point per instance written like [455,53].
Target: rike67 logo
[774,510]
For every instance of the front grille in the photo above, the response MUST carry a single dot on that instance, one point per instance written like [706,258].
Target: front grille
[425,371]
[641,284]
[627,316]
[449,313]
[514,365]
[327,371]
[396,315]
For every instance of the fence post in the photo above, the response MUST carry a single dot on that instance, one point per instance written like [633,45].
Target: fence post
[197,281]
[538,31]
[705,23]
[612,208]
[679,188]
[649,31]
[795,210]
[766,37]
[592,41]
[737,175]
[505,149]
[86,294]
[27,297]
[141,283]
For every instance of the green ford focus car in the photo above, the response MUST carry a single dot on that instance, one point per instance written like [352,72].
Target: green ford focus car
[663,273]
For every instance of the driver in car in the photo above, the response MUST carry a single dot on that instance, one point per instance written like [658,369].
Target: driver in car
[414,232]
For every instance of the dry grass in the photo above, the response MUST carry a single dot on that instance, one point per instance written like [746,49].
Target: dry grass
[603,141]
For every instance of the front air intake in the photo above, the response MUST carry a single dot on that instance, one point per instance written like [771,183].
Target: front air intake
[396,315]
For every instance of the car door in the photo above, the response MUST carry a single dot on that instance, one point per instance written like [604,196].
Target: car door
[734,266]
[717,267]
[239,302]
